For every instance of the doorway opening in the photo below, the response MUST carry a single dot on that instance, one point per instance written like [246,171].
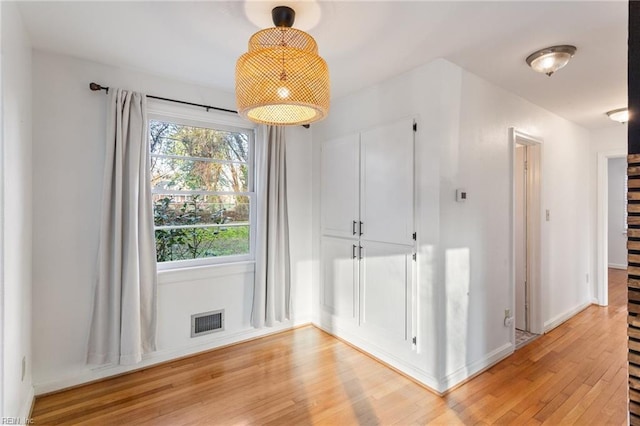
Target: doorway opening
[602,243]
[526,222]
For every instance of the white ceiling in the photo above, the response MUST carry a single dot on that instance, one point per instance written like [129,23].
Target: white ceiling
[363,43]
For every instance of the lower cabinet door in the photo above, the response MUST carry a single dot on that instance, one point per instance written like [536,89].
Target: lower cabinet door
[339,276]
[385,291]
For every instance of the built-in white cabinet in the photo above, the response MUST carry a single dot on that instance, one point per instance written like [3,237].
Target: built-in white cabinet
[386,288]
[367,184]
[341,186]
[340,276]
[386,183]
[367,245]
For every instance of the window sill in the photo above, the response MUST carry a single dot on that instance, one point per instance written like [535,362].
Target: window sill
[194,273]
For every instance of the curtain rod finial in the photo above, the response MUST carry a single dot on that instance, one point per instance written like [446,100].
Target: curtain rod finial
[96,87]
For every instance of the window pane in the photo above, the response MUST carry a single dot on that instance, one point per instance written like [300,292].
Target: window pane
[179,210]
[190,175]
[176,139]
[195,243]
[188,164]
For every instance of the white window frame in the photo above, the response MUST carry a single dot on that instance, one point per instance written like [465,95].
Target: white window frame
[189,116]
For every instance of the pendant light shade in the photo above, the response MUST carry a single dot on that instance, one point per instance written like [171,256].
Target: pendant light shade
[281,80]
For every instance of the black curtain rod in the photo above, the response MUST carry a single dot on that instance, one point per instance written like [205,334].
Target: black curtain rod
[96,87]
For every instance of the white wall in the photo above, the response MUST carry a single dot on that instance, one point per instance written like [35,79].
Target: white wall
[69,128]
[612,138]
[462,142]
[16,205]
[486,112]
[617,199]
[609,142]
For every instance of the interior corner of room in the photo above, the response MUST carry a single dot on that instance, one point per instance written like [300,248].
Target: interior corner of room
[415,208]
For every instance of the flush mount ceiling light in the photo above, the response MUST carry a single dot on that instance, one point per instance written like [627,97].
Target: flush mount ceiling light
[621,115]
[550,59]
[281,80]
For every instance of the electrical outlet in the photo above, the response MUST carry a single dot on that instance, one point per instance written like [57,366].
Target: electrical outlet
[508,319]
[24,367]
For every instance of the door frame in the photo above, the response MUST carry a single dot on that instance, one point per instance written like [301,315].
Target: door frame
[601,295]
[534,234]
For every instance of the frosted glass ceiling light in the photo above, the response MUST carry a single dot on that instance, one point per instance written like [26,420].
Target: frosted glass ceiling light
[551,59]
[281,80]
[621,115]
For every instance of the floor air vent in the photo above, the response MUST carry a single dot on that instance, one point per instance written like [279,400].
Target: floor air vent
[207,322]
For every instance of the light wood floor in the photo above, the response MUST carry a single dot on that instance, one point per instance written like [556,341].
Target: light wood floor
[576,374]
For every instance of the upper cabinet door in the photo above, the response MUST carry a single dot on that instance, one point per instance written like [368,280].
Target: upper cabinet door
[340,192]
[387,183]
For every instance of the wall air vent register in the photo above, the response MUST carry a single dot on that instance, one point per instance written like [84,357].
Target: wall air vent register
[207,322]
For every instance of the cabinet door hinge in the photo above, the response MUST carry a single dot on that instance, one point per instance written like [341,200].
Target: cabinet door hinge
[415,236]
[415,256]
[415,340]
[415,127]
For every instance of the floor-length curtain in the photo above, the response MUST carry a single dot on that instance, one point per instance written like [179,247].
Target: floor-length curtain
[271,301]
[124,313]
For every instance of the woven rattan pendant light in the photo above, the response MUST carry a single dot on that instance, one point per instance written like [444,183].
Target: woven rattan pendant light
[281,80]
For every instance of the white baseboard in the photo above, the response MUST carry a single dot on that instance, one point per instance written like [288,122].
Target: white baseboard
[559,319]
[419,375]
[617,266]
[25,411]
[383,356]
[476,367]
[102,372]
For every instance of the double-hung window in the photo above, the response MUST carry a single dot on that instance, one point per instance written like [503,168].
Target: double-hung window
[202,180]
